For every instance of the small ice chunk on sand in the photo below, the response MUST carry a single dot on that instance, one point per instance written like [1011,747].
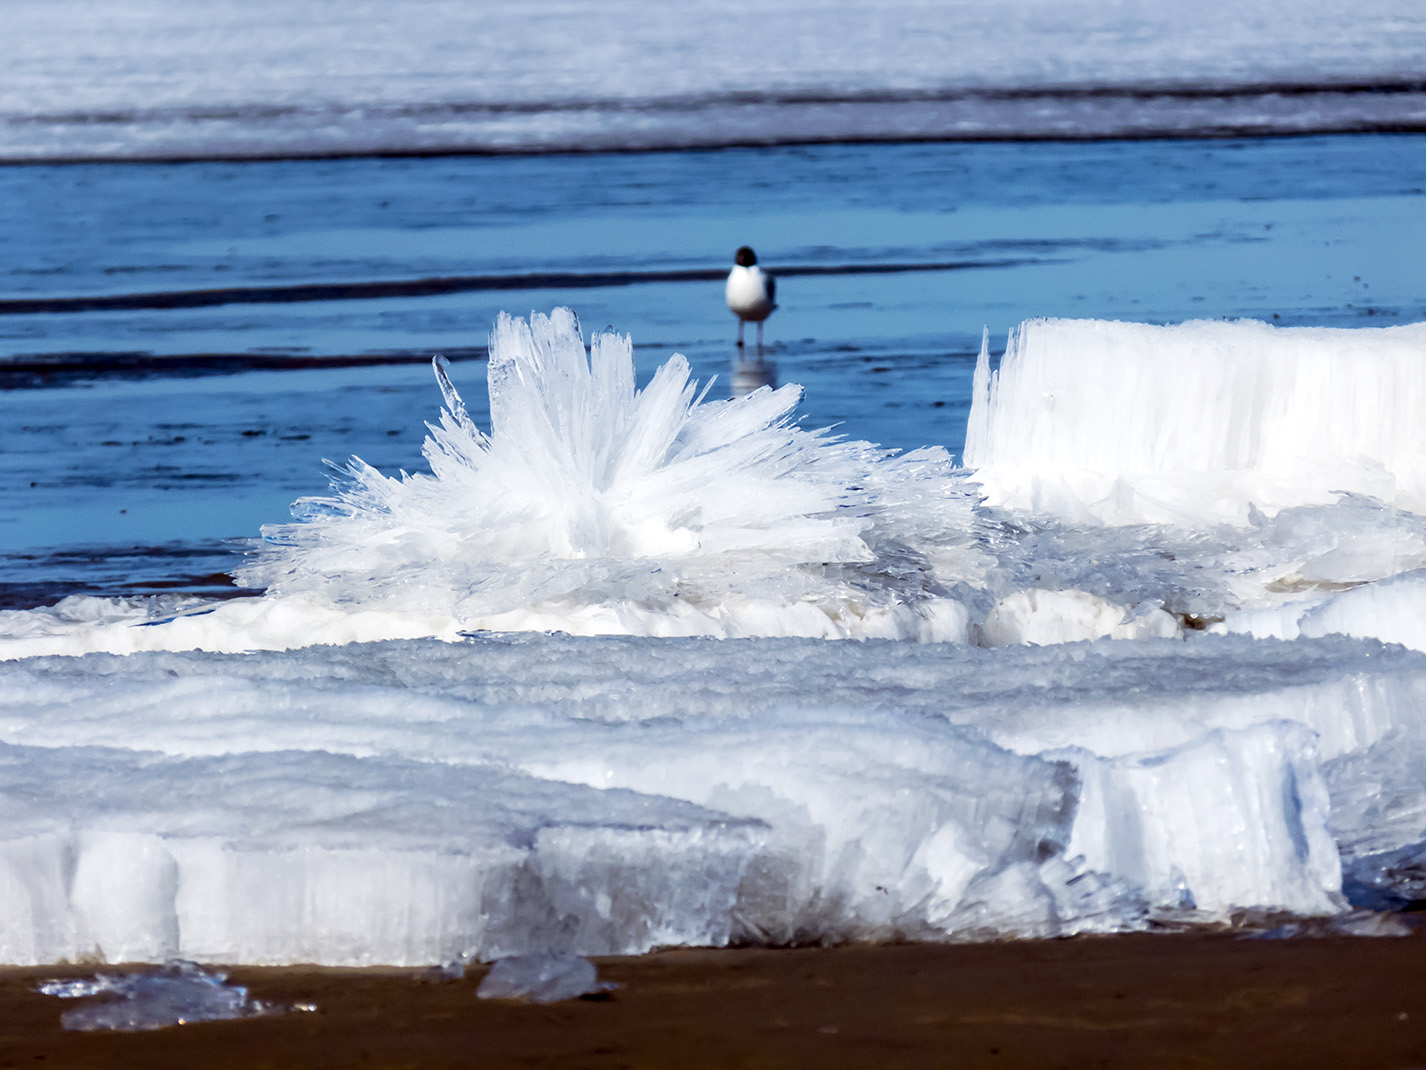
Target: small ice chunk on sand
[180,993]
[542,979]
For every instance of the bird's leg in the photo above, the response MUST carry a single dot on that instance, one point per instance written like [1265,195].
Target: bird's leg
[760,338]
[740,333]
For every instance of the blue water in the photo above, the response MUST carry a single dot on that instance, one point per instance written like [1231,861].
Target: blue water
[134,444]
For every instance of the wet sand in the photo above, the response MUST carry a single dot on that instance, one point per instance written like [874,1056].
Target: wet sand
[1123,1001]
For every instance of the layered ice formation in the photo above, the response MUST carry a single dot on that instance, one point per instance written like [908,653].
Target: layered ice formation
[577,696]
[417,802]
[1285,466]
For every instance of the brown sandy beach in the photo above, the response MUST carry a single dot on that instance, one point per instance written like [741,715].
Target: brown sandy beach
[1120,1001]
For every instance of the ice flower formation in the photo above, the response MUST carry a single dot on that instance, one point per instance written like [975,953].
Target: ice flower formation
[596,507]
[1228,491]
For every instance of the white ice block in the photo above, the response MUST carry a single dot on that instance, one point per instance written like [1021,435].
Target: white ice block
[1200,422]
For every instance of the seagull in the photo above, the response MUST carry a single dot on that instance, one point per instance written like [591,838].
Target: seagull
[752,295]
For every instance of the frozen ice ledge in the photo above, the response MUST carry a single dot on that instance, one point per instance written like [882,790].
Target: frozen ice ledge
[1249,478]
[418,801]
[1202,422]
[260,78]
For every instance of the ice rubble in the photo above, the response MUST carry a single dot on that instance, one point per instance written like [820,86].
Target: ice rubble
[415,801]
[542,978]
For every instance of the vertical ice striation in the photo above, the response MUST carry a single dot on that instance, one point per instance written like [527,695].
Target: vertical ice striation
[317,857]
[1201,422]
[1232,819]
[595,507]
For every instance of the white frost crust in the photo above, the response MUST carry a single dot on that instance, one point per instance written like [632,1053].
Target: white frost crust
[1390,610]
[1046,618]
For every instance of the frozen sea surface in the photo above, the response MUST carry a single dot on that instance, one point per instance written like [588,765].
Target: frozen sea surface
[81,79]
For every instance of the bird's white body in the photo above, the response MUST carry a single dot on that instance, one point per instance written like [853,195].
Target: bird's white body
[749,294]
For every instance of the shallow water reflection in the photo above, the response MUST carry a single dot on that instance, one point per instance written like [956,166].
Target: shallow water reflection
[751,372]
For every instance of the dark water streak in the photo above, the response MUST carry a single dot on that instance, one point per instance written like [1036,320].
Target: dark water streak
[1154,90]
[351,291]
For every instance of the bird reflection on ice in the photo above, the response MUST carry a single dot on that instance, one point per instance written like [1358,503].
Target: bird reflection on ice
[750,375]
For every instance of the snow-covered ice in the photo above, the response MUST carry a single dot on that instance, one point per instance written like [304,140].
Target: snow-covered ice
[251,78]
[571,692]
[414,801]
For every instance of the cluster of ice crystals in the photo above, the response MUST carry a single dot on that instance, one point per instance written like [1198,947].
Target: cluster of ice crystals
[598,507]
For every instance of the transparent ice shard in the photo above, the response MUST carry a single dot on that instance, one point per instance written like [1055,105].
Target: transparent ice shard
[178,994]
[542,978]
[1234,819]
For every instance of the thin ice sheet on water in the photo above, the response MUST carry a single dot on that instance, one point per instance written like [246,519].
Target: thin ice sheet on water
[264,79]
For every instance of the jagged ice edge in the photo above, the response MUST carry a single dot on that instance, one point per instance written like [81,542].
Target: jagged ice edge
[588,491]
